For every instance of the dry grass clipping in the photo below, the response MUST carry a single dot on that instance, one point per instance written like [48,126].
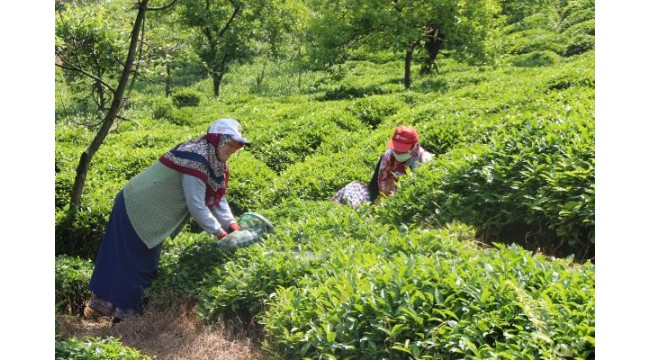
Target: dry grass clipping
[173,333]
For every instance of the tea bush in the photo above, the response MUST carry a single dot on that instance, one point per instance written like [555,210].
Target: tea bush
[580,44]
[477,304]
[309,231]
[405,277]
[95,348]
[250,181]
[163,108]
[291,138]
[71,278]
[320,176]
[184,263]
[584,28]
[540,173]
[534,40]
[81,236]
[186,98]
[536,58]
[372,110]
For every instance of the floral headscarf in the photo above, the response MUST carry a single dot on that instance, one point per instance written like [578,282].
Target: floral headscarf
[199,159]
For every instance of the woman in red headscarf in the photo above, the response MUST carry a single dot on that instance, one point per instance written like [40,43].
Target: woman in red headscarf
[404,151]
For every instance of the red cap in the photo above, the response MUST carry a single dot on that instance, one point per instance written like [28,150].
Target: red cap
[403,138]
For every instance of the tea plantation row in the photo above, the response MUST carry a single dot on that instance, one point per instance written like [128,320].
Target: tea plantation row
[409,277]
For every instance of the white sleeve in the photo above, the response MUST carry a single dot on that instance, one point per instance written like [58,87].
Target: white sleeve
[194,190]
[426,156]
[223,213]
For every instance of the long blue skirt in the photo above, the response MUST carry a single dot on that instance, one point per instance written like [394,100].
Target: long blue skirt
[124,266]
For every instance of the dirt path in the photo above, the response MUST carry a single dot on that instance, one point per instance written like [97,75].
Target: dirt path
[172,334]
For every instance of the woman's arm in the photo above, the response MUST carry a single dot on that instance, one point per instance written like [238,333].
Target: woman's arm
[224,215]
[194,190]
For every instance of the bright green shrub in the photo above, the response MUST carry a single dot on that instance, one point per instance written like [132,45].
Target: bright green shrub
[373,109]
[184,263]
[250,180]
[95,348]
[63,183]
[587,27]
[162,108]
[534,40]
[579,44]
[71,278]
[306,232]
[576,18]
[290,139]
[82,236]
[247,281]
[569,7]
[186,98]
[442,127]
[345,92]
[546,20]
[570,78]
[477,304]
[362,140]
[540,173]
[318,177]
[536,58]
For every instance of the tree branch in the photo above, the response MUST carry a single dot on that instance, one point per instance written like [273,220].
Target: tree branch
[238,7]
[164,7]
[67,66]
[136,71]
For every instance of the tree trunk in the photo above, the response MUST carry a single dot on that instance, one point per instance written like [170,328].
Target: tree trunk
[168,80]
[87,156]
[260,78]
[216,82]
[299,66]
[407,68]
[432,45]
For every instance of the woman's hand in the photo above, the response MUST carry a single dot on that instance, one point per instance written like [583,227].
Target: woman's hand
[220,235]
[233,227]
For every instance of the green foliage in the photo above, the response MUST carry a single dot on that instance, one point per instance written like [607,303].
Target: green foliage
[372,110]
[343,93]
[536,58]
[319,176]
[72,275]
[518,11]
[305,231]
[90,38]
[405,277]
[184,263]
[295,134]
[578,17]
[576,77]
[341,27]
[95,348]
[186,98]
[579,24]
[536,172]
[163,107]
[482,304]
[81,236]
[536,39]
[580,44]
[249,182]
